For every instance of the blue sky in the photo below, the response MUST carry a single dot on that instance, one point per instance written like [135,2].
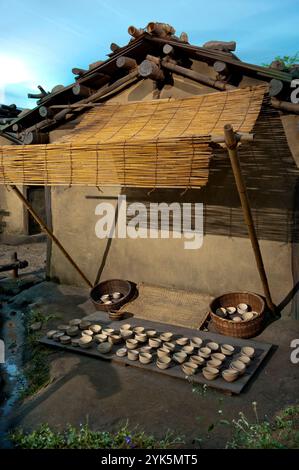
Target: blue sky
[40,41]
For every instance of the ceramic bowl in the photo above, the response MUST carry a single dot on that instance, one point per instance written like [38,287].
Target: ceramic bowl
[218,356]
[131,343]
[72,331]
[125,326]
[105,297]
[85,341]
[247,316]
[114,339]
[147,349]
[75,342]
[196,342]
[151,333]
[248,351]
[213,346]
[100,338]
[227,349]
[170,346]
[214,363]
[180,357]
[84,324]
[166,336]
[163,352]
[138,330]
[75,322]
[182,341]
[221,312]
[154,342]
[231,310]
[163,362]
[108,331]
[62,328]
[210,373]
[95,329]
[57,336]
[145,358]
[141,337]
[189,368]
[236,318]
[245,359]
[126,334]
[104,348]
[51,333]
[188,349]
[133,354]
[116,295]
[239,366]
[242,307]
[87,333]
[121,352]
[197,360]
[204,352]
[65,339]
[230,375]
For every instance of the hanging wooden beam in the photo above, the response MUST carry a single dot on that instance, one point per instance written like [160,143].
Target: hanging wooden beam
[231,144]
[148,69]
[49,233]
[127,63]
[285,106]
[198,77]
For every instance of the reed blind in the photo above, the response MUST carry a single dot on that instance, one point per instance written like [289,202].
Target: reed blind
[160,143]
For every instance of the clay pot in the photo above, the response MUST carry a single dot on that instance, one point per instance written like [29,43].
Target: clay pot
[87,333]
[114,339]
[239,366]
[121,352]
[108,331]
[188,349]
[245,359]
[182,341]
[84,324]
[227,349]
[138,330]
[154,342]
[133,354]
[166,336]
[180,357]
[189,368]
[210,373]
[104,348]
[213,346]
[151,333]
[196,342]
[145,358]
[72,331]
[85,341]
[131,343]
[57,336]
[214,363]
[204,352]
[75,322]
[100,338]
[96,329]
[65,339]
[141,337]
[197,360]
[230,375]
[219,356]
[248,351]
[51,333]
[163,362]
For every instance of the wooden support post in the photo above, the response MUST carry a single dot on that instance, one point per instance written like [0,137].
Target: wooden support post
[49,233]
[231,144]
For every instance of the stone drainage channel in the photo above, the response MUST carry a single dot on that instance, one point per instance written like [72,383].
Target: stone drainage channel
[12,332]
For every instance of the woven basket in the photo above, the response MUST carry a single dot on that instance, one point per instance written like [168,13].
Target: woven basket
[108,287]
[244,329]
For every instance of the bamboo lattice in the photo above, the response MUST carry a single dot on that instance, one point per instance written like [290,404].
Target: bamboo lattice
[161,143]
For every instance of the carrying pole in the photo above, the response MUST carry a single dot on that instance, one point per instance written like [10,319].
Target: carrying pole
[231,144]
[49,233]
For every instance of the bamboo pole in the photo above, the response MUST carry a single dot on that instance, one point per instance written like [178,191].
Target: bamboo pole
[231,144]
[49,233]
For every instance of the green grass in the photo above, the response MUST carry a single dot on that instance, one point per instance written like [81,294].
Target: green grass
[280,433]
[83,438]
[36,369]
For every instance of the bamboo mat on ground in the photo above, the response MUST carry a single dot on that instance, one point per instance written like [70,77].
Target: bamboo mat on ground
[168,305]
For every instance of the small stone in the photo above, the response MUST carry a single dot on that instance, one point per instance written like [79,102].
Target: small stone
[36,326]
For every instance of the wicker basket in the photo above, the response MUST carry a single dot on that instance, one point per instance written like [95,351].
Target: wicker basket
[108,287]
[245,329]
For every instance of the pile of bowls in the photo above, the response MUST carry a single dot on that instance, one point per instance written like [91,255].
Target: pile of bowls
[238,313]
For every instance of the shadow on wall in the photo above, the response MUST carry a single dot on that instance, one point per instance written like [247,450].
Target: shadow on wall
[3,214]
[271,177]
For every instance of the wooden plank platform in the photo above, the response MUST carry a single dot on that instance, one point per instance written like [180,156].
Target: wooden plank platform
[261,351]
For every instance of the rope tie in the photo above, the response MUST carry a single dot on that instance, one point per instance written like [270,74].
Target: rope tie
[156,170]
[97,169]
[46,166]
[124,161]
[71,164]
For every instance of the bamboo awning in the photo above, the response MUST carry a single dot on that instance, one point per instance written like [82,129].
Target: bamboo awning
[160,143]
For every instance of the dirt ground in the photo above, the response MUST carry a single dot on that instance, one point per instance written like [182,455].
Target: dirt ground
[34,253]
[83,389]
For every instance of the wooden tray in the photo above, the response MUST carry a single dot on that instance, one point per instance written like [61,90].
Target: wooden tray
[261,351]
